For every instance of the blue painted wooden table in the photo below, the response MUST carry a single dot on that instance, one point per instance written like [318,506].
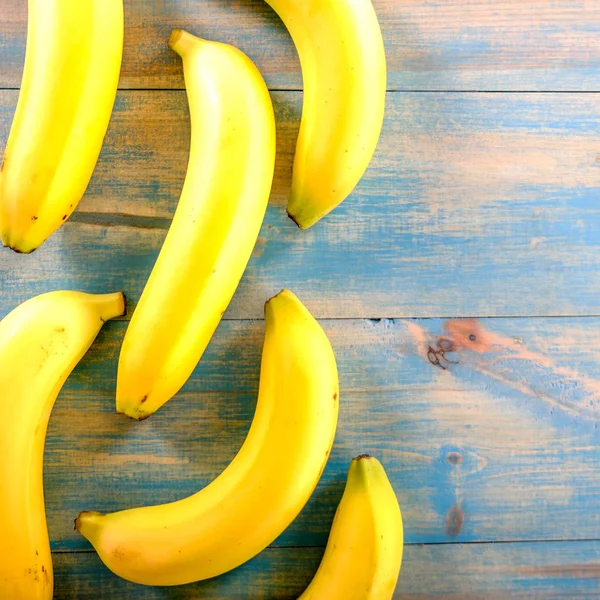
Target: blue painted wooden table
[460,286]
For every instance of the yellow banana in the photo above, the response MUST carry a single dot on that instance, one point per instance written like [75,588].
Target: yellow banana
[69,85]
[222,205]
[364,552]
[41,341]
[343,66]
[265,486]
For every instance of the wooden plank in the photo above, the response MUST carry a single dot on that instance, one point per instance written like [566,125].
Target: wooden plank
[476,204]
[502,443]
[520,571]
[389,355]
[433,45]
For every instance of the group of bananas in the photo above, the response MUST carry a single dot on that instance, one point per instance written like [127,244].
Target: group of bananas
[69,85]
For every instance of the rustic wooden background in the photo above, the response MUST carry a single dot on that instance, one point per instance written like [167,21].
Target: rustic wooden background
[460,286]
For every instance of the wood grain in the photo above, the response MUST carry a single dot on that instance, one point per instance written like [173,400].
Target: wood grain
[475,205]
[431,45]
[526,571]
[496,439]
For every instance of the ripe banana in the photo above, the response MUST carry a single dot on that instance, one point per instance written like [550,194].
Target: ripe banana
[265,486]
[41,341]
[343,66]
[222,205]
[364,552]
[70,79]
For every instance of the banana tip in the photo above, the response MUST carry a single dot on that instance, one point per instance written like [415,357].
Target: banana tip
[293,218]
[18,245]
[279,293]
[138,416]
[302,223]
[282,294]
[18,250]
[302,217]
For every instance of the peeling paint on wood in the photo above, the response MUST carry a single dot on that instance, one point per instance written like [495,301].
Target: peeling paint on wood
[507,360]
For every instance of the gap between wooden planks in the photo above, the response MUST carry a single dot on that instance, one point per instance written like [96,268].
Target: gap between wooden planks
[523,571]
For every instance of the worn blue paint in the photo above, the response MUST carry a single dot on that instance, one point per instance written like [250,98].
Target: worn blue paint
[533,570]
[524,439]
[421,236]
[475,205]
[430,45]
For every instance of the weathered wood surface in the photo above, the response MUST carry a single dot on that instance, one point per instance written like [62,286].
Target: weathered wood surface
[484,440]
[526,571]
[431,45]
[475,205]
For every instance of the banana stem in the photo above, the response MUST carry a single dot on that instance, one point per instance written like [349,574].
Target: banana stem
[108,306]
[182,42]
[87,522]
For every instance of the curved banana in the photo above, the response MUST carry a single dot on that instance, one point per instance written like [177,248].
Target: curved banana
[265,486]
[364,552]
[41,341]
[218,218]
[70,79]
[343,66]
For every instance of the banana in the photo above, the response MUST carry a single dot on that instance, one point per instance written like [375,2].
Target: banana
[364,552]
[343,66]
[41,341]
[70,79]
[216,224]
[265,486]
